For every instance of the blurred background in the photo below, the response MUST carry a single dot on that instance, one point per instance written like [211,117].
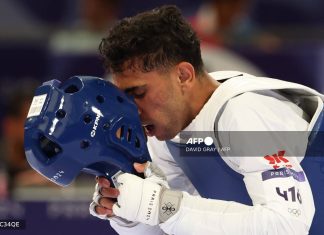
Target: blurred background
[46,39]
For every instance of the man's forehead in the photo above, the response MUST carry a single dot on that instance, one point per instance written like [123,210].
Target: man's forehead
[133,78]
[128,81]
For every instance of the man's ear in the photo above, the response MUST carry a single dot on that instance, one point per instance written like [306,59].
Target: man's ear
[186,73]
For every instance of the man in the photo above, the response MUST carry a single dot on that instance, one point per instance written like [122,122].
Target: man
[155,57]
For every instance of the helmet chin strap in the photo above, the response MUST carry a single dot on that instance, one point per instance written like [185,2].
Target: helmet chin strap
[83,124]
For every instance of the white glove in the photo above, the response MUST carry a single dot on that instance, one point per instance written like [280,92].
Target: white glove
[95,202]
[139,199]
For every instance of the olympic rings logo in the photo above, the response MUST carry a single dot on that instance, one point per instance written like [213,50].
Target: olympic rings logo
[295,212]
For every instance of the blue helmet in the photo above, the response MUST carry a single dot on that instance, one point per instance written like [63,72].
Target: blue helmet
[83,124]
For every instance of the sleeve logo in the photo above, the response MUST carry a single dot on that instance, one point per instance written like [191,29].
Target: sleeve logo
[278,160]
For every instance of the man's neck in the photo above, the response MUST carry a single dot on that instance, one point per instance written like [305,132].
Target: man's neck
[204,87]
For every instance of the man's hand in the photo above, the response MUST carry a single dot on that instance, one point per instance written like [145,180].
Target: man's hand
[138,200]
[104,198]
[148,200]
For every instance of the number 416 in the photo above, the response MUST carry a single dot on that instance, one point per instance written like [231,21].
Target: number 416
[291,191]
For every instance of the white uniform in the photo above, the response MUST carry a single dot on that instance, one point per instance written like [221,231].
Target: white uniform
[282,201]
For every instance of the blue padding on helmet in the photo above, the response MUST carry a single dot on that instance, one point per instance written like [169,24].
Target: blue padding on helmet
[83,124]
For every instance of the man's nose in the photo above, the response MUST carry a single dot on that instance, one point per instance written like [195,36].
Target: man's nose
[139,109]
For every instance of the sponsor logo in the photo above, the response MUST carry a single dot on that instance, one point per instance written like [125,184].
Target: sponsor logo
[278,160]
[283,173]
[150,205]
[168,208]
[95,125]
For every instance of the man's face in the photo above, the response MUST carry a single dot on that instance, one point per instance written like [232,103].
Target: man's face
[159,98]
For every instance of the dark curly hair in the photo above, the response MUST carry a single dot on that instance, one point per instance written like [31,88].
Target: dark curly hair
[152,40]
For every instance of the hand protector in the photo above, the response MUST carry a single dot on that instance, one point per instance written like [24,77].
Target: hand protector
[95,202]
[140,199]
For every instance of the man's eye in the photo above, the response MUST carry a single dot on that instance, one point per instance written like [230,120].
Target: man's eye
[138,95]
[136,92]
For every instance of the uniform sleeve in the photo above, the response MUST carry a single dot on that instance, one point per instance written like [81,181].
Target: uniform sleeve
[279,189]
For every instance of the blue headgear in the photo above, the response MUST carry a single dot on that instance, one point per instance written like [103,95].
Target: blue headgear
[83,124]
